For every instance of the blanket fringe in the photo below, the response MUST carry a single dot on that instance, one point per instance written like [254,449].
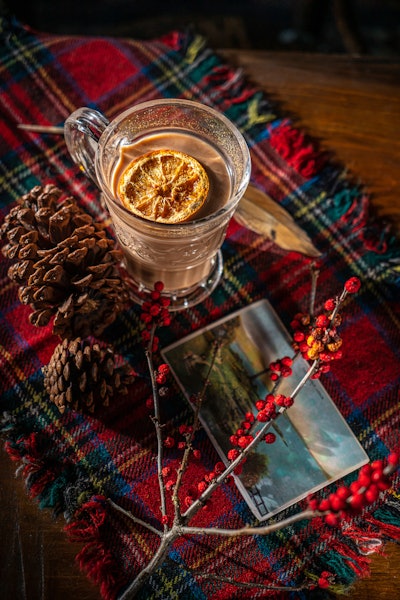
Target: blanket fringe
[297,149]
[56,486]
[95,559]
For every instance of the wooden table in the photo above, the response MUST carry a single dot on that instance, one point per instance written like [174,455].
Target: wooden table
[352,105]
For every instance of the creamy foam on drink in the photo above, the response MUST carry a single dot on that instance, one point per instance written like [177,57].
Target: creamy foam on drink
[205,153]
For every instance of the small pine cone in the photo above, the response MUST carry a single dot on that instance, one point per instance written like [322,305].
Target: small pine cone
[64,264]
[82,375]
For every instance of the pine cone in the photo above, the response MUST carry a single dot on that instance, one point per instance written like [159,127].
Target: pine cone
[64,264]
[82,375]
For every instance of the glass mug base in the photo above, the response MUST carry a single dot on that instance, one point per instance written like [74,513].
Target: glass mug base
[182,298]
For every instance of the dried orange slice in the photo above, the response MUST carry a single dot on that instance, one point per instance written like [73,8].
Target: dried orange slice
[166,186]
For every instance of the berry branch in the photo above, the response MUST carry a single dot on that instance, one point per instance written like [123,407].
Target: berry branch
[315,338]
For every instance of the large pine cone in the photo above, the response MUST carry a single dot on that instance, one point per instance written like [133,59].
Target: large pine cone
[64,264]
[83,375]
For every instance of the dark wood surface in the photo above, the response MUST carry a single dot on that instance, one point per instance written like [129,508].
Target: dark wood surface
[353,106]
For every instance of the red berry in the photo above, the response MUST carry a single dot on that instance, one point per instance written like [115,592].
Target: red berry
[337,503]
[366,469]
[377,476]
[364,480]
[286,372]
[357,501]
[393,458]
[154,310]
[197,454]
[330,304]
[280,400]
[188,501]
[270,411]
[377,465]
[343,492]
[298,336]
[352,285]
[323,583]
[146,336]
[316,375]
[324,505]
[262,416]
[332,520]
[244,440]
[354,487]
[159,286]
[202,486]
[372,494]
[169,442]
[270,438]
[326,574]
[288,402]
[260,404]
[287,361]
[322,321]
[233,454]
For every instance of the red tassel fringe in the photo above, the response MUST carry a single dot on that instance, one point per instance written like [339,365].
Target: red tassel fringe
[297,150]
[95,559]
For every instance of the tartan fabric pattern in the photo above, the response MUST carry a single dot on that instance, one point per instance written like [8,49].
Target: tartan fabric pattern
[72,461]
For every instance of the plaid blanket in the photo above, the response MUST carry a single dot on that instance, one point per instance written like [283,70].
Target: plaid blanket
[72,461]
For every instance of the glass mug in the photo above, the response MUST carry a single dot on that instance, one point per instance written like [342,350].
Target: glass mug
[185,256]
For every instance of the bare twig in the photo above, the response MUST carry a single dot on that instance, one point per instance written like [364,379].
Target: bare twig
[131,516]
[156,419]
[265,530]
[313,292]
[189,441]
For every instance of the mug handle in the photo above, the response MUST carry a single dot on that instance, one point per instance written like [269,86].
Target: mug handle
[82,131]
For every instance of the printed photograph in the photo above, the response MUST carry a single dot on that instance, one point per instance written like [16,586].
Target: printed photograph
[314,445]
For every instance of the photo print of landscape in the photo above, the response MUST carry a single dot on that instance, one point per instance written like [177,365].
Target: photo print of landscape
[314,445]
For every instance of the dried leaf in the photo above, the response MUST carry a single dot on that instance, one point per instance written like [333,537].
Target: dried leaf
[261,214]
